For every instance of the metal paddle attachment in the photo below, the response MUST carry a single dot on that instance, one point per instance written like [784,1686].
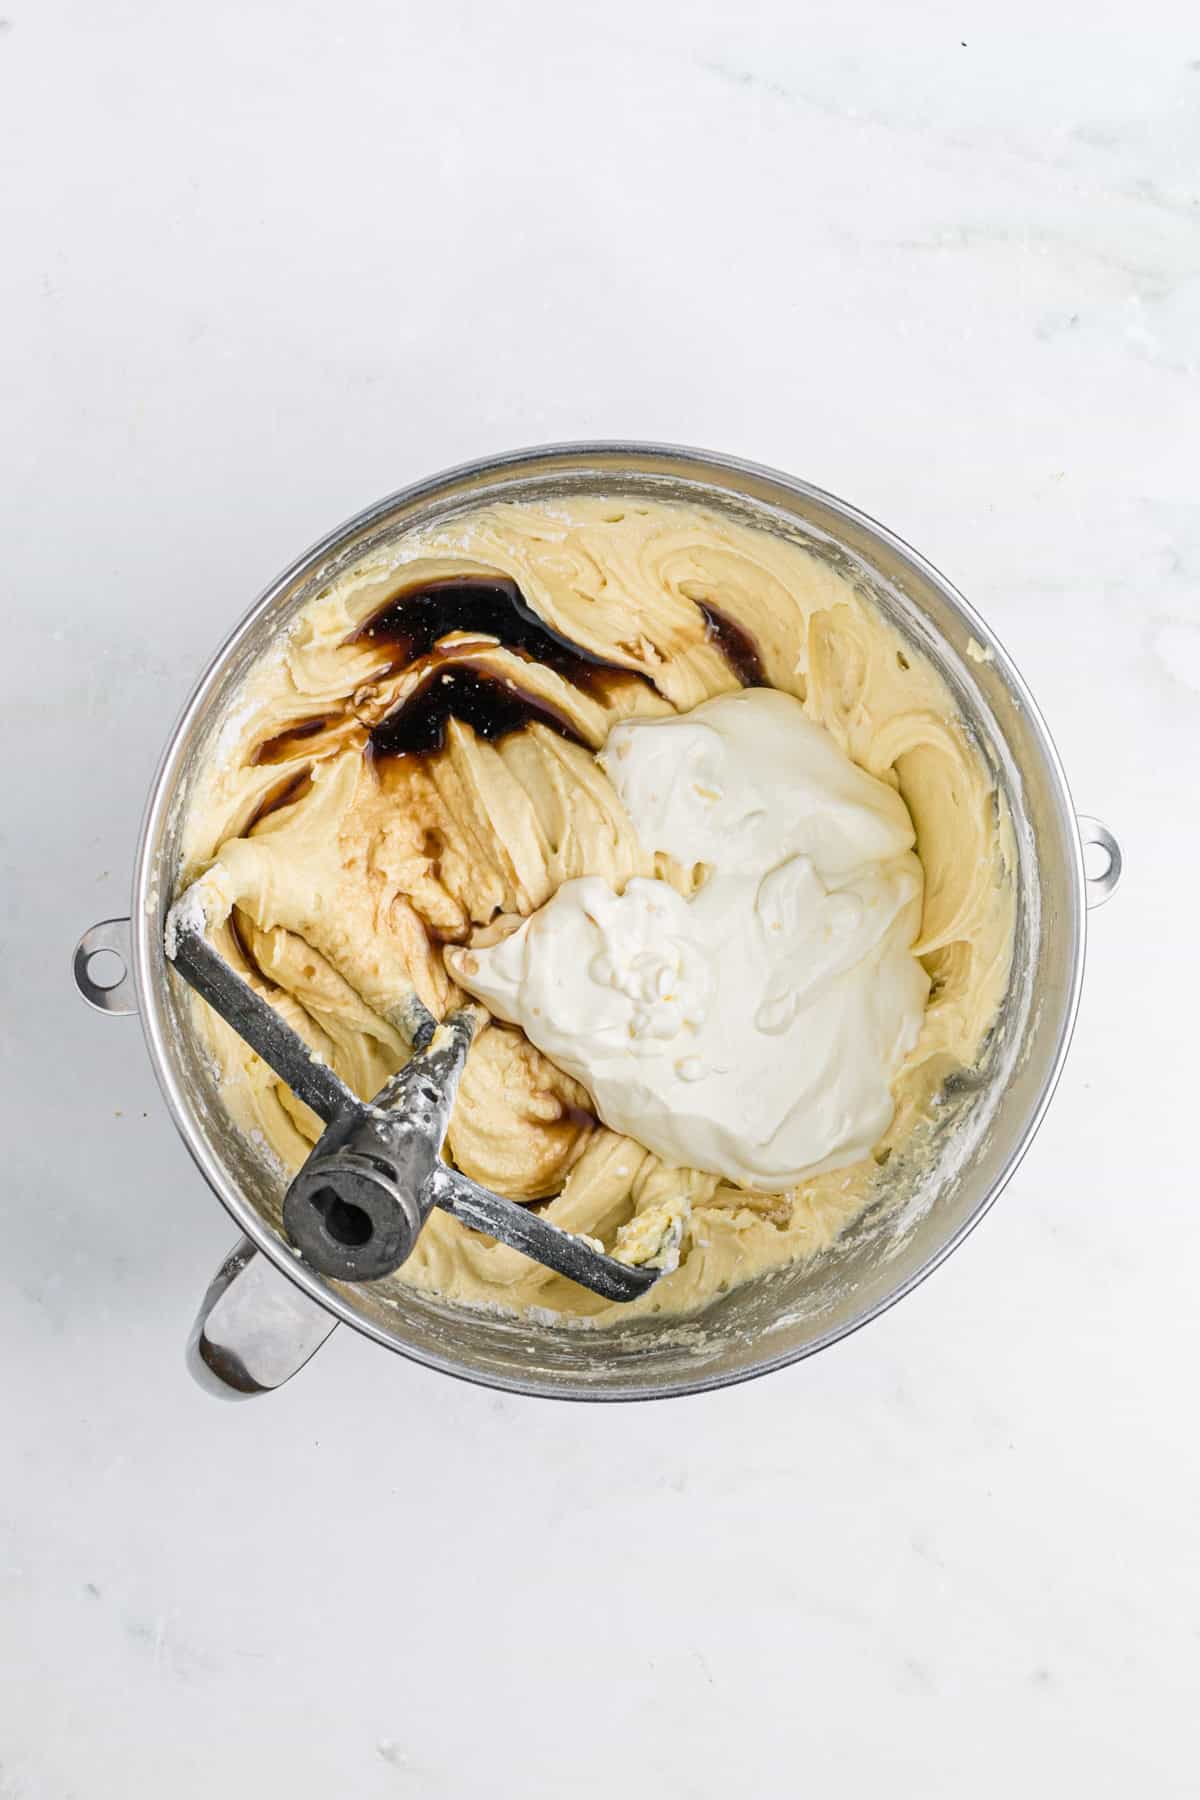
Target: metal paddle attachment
[355,1209]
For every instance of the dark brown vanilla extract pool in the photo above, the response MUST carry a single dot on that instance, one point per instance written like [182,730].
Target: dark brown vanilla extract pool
[415,620]
[735,644]
[283,746]
[454,690]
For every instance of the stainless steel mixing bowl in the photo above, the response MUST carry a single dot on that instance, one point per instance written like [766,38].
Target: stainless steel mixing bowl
[266,1313]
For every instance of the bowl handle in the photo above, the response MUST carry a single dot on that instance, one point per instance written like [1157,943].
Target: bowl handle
[110,937]
[255,1328]
[1094,835]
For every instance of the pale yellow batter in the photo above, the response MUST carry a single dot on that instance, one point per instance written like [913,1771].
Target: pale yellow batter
[344,875]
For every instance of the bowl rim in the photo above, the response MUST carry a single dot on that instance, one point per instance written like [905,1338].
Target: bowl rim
[145,909]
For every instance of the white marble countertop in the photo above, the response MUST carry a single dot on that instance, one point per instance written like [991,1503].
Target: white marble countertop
[264,263]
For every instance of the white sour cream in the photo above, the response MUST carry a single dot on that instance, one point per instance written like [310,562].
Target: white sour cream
[752,1030]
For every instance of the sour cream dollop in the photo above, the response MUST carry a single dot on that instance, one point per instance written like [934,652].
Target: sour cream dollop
[752,1029]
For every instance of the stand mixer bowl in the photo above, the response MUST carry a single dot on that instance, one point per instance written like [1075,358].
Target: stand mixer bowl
[267,1312]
